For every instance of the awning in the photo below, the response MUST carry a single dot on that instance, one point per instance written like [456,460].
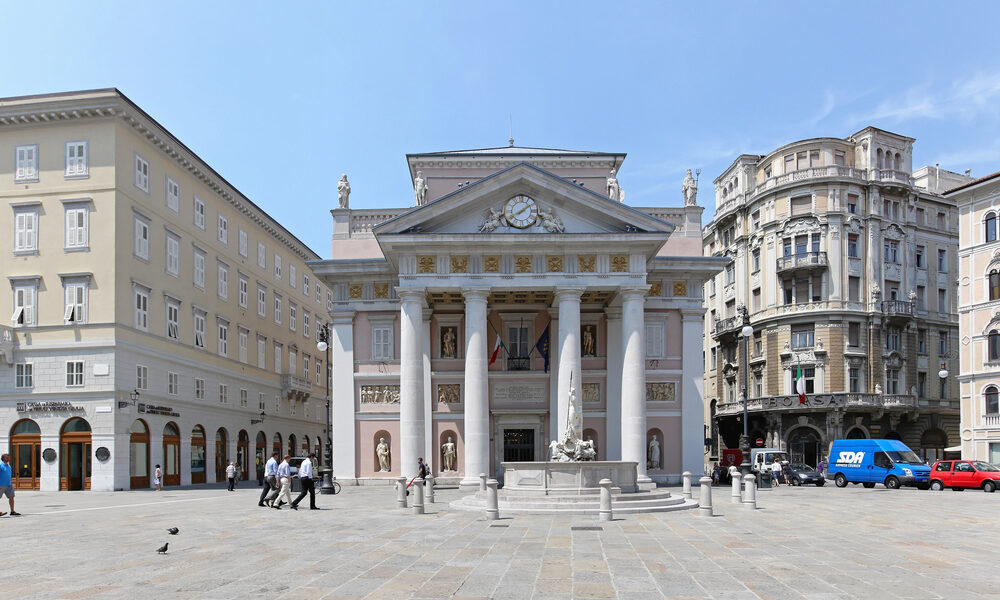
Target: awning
[953,449]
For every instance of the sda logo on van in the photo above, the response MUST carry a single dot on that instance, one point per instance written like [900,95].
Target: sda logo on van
[851,458]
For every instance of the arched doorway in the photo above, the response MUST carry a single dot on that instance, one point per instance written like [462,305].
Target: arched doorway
[243,454]
[319,452]
[276,446]
[198,454]
[26,454]
[804,446]
[892,435]
[292,448]
[171,454]
[305,445]
[138,455]
[259,459]
[75,464]
[856,433]
[932,444]
[221,454]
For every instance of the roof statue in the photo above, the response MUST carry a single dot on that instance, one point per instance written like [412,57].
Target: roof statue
[420,188]
[615,191]
[689,189]
[343,191]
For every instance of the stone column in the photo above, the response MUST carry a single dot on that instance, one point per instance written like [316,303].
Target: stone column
[691,393]
[553,430]
[342,396]
[428,451]
[613,393]
[569,352]
[185,458]
[634,379]
[477,397]
[411,380]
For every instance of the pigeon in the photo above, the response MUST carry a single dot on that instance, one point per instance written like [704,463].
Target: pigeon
[173,531]
[162,549]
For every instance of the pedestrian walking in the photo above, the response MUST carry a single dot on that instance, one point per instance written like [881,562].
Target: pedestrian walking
[231,475]
[422,470]
[285,481]
[308,483]
[776,471]
[158,478]
[6,485]
[270,479]
[786,472]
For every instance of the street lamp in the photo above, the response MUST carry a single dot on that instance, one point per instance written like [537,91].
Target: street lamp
[133,398]
[943,373]
[746,332]
[259,419]
[324,346]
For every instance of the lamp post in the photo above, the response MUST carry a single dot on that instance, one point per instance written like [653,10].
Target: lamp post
[133,398]
[324,346]
[746,333]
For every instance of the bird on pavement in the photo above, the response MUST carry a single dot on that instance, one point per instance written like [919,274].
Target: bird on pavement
[173,531]
[162,549]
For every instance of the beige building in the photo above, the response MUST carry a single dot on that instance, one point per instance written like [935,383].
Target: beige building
[845,260]
[979,316]
[158,316]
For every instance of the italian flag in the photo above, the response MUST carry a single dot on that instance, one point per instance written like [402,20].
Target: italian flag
[800,384]
[496,349]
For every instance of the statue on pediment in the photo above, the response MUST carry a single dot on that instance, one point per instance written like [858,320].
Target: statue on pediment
[689,189]
[550,221]
[343,191]
[420,188]
[615,191]
[491,221]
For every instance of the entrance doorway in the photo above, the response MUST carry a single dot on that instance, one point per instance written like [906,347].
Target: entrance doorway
[803,446]
[75,464]
[198,454]
[518,445]
[138,455]
[26,454]
[243,454]
[221,454]
[259,459]
[171,455]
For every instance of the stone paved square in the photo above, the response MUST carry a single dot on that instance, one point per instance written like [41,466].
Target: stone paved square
[808,543]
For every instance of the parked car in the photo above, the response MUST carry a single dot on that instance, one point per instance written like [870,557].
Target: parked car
[961,474]
[890,462]
[803,473]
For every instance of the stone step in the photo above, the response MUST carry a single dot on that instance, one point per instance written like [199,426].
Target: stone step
[470,503]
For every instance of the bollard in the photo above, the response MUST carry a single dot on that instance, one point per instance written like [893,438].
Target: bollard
[429,489]
[750,491]
[735,496]
[492,502]
[705,500]
[418,496]
[687,485]
[482,482]
[605,514]
[401,492]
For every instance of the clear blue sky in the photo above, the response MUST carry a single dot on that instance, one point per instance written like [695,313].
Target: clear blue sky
[283,97]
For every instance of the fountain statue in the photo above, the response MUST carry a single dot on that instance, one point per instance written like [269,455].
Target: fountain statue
[571,447]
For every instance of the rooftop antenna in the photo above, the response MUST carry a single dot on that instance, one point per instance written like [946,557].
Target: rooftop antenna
[510,140]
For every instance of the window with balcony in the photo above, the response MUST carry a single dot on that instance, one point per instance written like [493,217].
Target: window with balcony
[893,337]
[803,336]
[801,160]
[854,380]
[992,396]
[892,381]
[789,163]
[808,375]
[839,158]
[990,223]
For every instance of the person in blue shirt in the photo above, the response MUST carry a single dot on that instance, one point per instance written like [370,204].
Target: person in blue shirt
[270,479]
[6,486]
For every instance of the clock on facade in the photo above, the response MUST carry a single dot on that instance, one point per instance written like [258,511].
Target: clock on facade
[521,211]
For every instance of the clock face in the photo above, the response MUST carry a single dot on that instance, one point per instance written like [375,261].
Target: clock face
[521,211]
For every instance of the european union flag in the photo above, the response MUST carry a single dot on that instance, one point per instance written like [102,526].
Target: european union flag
[542,345]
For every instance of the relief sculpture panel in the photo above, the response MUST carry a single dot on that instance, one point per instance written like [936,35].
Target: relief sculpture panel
[660,392]
[380,394]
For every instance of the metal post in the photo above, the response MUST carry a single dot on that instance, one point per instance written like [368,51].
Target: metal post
[401,492]
[605,514]
[750,485]
[687,485]
[327,485]
[418,496]
[492,502]
[429,489]
[705,500]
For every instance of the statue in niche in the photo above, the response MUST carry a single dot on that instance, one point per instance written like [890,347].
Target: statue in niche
[589,341]
[448,347]
[653,457]
[343,191]
[689,189]
[448,455]
[420,188]
[382,450]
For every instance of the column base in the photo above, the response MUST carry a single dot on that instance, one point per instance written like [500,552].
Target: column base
[643,482]
[469,484]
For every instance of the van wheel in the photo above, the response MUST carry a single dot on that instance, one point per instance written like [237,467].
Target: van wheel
[989,486]
[868,485]
[892,483]
[840,480]
[937,486]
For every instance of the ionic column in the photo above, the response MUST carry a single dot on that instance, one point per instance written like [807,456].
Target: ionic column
[477,398]
[569,352]
[411,380]
[634,378]
[613,393]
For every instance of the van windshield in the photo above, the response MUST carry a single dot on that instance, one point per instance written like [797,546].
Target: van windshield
[904,457]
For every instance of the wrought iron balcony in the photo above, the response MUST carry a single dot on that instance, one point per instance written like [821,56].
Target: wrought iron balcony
[897,308]
[802,261]
[819,402]
[727,325]
[295,388]
[518,363]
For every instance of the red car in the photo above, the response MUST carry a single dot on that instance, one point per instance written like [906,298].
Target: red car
[959,474]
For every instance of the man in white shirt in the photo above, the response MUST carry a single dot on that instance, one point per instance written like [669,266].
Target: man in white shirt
[270,479]
[308,484]
[285,479]
[231,475]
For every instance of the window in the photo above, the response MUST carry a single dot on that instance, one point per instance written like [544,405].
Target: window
[319,372]
[382,343]
[199,269]
[305,323]
[921,260]
[942,260]
[329,300]
[277,358]
[223,229]
[141,308]
[244,337]
[199,329]
[277,266]
[854,380]
[305,285]
[839,158]
[23,375]
[711,286]
[141,377]
[893,338]
[892,381]
[244,291]
[261,255]
[77,227]
[141,174]
[24,304]
[802,336]
[223,281]
[942,342]
[173,195]
[767,172]
[261,301]
[921,341]
[223,393]
[801,205]
[656,345]
[994,285]
[942,301]
[76,159]
[27,163]
[141,238]
[942,221]
[852,245]
[854,334]
[173,319]
[991,227]
[199,213]
[74,373]
[76,302]
[921,216]
[172,383]
[808,376]
[243,243]
[243,398]
[277,309]
[730,273]
[755,260]
[223,341]
[921,297]
[755,300]
[199,389]
[891,251]
[292,310]
[260,400]
[261,352]
[993,345]
[25,229]
[921,385]
[292,277]
[852,203]
[173,255]
[992,400]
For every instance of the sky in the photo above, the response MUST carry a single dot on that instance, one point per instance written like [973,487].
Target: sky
[283,97]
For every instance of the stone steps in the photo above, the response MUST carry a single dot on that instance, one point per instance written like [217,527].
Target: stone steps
[642,502]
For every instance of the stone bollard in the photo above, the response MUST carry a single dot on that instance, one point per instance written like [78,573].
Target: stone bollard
[418,496]
[482,482]
[401,492]
[705,500]
[605,514]
[687,485]
[492,502]
[735,496]
[429,489]
[750,487]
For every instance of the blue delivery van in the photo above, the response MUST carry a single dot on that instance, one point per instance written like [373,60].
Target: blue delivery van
[889,462]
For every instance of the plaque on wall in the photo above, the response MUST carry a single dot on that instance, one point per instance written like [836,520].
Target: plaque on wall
[660,392]
[380,394]
[49,454]
[520,392]
[102,454]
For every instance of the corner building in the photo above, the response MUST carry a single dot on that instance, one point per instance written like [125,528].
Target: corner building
[136,270]
[843,260]
[520,245]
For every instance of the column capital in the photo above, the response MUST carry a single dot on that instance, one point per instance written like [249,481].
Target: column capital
[408,294]
[692,314]
[630,292]
[476,293]
[613,312]
[569,293]
[342,317]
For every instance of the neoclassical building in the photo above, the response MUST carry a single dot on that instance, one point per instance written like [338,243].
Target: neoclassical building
[979,316]
[844,263]
[461,323]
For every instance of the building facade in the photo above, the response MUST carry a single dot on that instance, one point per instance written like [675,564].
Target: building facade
[158,316]
[462,324]
[979,316]
[843,263]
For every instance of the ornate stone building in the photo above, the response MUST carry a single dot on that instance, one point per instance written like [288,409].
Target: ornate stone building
[533,247]
[844,261]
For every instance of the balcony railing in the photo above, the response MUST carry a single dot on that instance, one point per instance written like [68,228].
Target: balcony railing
[896,176]
[518,363]
[811,173]
[7,343]
[295,388]
[819,402]
[727,325]
[991,420]
[897,308]
[802,260]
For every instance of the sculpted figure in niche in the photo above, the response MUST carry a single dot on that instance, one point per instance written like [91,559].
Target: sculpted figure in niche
[653,461]
[448,455]
[343,191]
[420,188]
[589,343]
[382,450]
[448,348]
